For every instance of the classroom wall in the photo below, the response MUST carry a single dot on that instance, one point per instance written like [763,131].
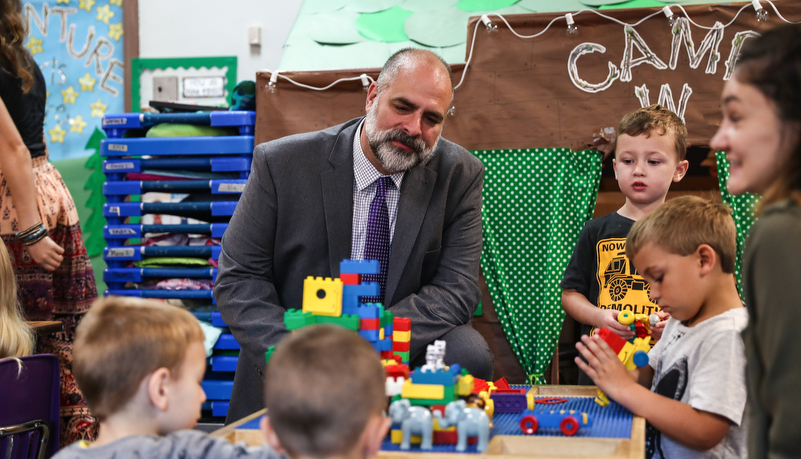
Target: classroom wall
[198,28]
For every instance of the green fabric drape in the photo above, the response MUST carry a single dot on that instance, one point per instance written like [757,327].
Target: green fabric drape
[743,210]
[536,202]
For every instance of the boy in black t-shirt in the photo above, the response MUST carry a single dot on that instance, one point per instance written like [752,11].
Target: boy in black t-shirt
[600,280]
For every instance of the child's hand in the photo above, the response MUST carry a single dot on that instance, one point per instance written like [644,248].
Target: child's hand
[603,365]
[609,320]
[658,328]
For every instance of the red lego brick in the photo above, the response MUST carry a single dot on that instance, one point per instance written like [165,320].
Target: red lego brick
[398,346]
[479,385]
[443,437]
[351,279]
[502,384]
[614,341]
[401,324]
[370,324]
[509,391]
[397,370]
[387,355]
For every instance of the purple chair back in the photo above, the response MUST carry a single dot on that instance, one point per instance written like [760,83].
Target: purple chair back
[29,407]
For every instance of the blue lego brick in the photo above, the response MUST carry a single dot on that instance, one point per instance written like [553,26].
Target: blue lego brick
[455,369]
[388,330]
[224,363]
[385,344]
[218,390]
[350,304]
[439,377]
[351,296]
[369,311]
[219,408]
[226,342]
[359,267]
[369,335]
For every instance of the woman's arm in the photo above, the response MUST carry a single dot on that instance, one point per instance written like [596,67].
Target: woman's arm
[17,168]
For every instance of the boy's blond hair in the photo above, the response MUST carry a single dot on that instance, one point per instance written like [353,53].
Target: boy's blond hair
[322,386]
[681,225]
[658,120]
[122,340]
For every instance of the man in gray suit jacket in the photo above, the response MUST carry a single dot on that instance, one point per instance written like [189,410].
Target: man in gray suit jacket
[305,208]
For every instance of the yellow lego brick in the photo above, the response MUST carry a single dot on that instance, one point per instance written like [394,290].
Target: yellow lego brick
[396,436]
[381,334]
[401,336]
[601,398]
[426,391]
[322,296]
[440,429]
[465,385]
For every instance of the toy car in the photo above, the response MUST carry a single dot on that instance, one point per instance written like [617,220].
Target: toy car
[568,422]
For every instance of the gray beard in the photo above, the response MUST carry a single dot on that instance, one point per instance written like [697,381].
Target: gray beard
[392,158]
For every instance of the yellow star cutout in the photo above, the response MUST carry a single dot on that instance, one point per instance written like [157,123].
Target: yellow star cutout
[69,95]
[86,5]
[87,82]
[77,124]
[115,31]
[35,46]
[104,13]
[116,2]
[57,134]
[66,2]
[98,109]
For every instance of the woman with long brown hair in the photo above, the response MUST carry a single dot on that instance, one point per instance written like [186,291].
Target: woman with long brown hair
[761,135]
[38,219]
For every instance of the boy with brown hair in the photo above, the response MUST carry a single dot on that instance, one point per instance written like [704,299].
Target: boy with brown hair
[140,364]
[600,281]
[325,395]
[696,374]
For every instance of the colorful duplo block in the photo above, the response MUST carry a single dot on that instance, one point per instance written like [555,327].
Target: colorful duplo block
[385,344]
[322,296]
[295,318]
[350,279]
[359,267]
[351,322]
[371,311]
[401,346]
[351,295]
[369,335]
[269,354]
[402,324]
[403,355]
[441,377]
[370,324]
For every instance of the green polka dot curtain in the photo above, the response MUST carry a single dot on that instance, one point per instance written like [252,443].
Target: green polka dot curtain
[743,210]
[536,202]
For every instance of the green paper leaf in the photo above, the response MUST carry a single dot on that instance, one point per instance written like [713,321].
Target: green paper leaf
[366,54]
[425,6]
[548,6]
[337,28]
[473,6]
[439,28]
[386,26]
[370,6]
[322,6]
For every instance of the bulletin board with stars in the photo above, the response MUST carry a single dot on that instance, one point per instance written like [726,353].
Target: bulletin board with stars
[78,46]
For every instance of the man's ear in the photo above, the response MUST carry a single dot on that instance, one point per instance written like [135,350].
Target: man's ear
[372,93]
[374,434]
[158,388]
[270,436]
[707,258]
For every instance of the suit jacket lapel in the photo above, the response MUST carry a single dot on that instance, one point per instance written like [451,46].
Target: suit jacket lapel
[416,190]
[337,186]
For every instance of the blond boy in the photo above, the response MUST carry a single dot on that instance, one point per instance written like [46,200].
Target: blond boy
[696,373]
[600,281]
[139,364]
[325,394]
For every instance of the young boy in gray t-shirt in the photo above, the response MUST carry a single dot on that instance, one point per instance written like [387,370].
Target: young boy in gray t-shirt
[686,250]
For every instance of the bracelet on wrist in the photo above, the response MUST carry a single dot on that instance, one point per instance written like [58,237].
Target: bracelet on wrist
[38,226]
[34,240]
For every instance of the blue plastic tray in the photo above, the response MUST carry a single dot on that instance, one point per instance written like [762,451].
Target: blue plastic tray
[223,164]
[137,209]
[138,231]
[224,363]
[124,187]
[135,253]
[162,294]
[177,146]
[115,125]
[138,274]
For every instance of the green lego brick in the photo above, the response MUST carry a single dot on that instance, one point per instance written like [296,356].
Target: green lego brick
[479,310]
[449,397]
[296,318]
[351,322]
[269,354]
[403,355]
[387,318]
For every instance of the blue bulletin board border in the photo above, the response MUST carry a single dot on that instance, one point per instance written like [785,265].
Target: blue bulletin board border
[140,64]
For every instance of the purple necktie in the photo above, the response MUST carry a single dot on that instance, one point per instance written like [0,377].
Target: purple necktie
[376,246]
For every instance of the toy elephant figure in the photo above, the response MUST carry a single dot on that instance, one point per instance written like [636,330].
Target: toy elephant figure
[469,422]
[414,420]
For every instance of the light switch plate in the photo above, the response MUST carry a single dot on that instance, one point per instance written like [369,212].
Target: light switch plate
[165,88]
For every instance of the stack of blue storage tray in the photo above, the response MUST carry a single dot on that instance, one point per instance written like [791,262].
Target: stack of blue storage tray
[230,155]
